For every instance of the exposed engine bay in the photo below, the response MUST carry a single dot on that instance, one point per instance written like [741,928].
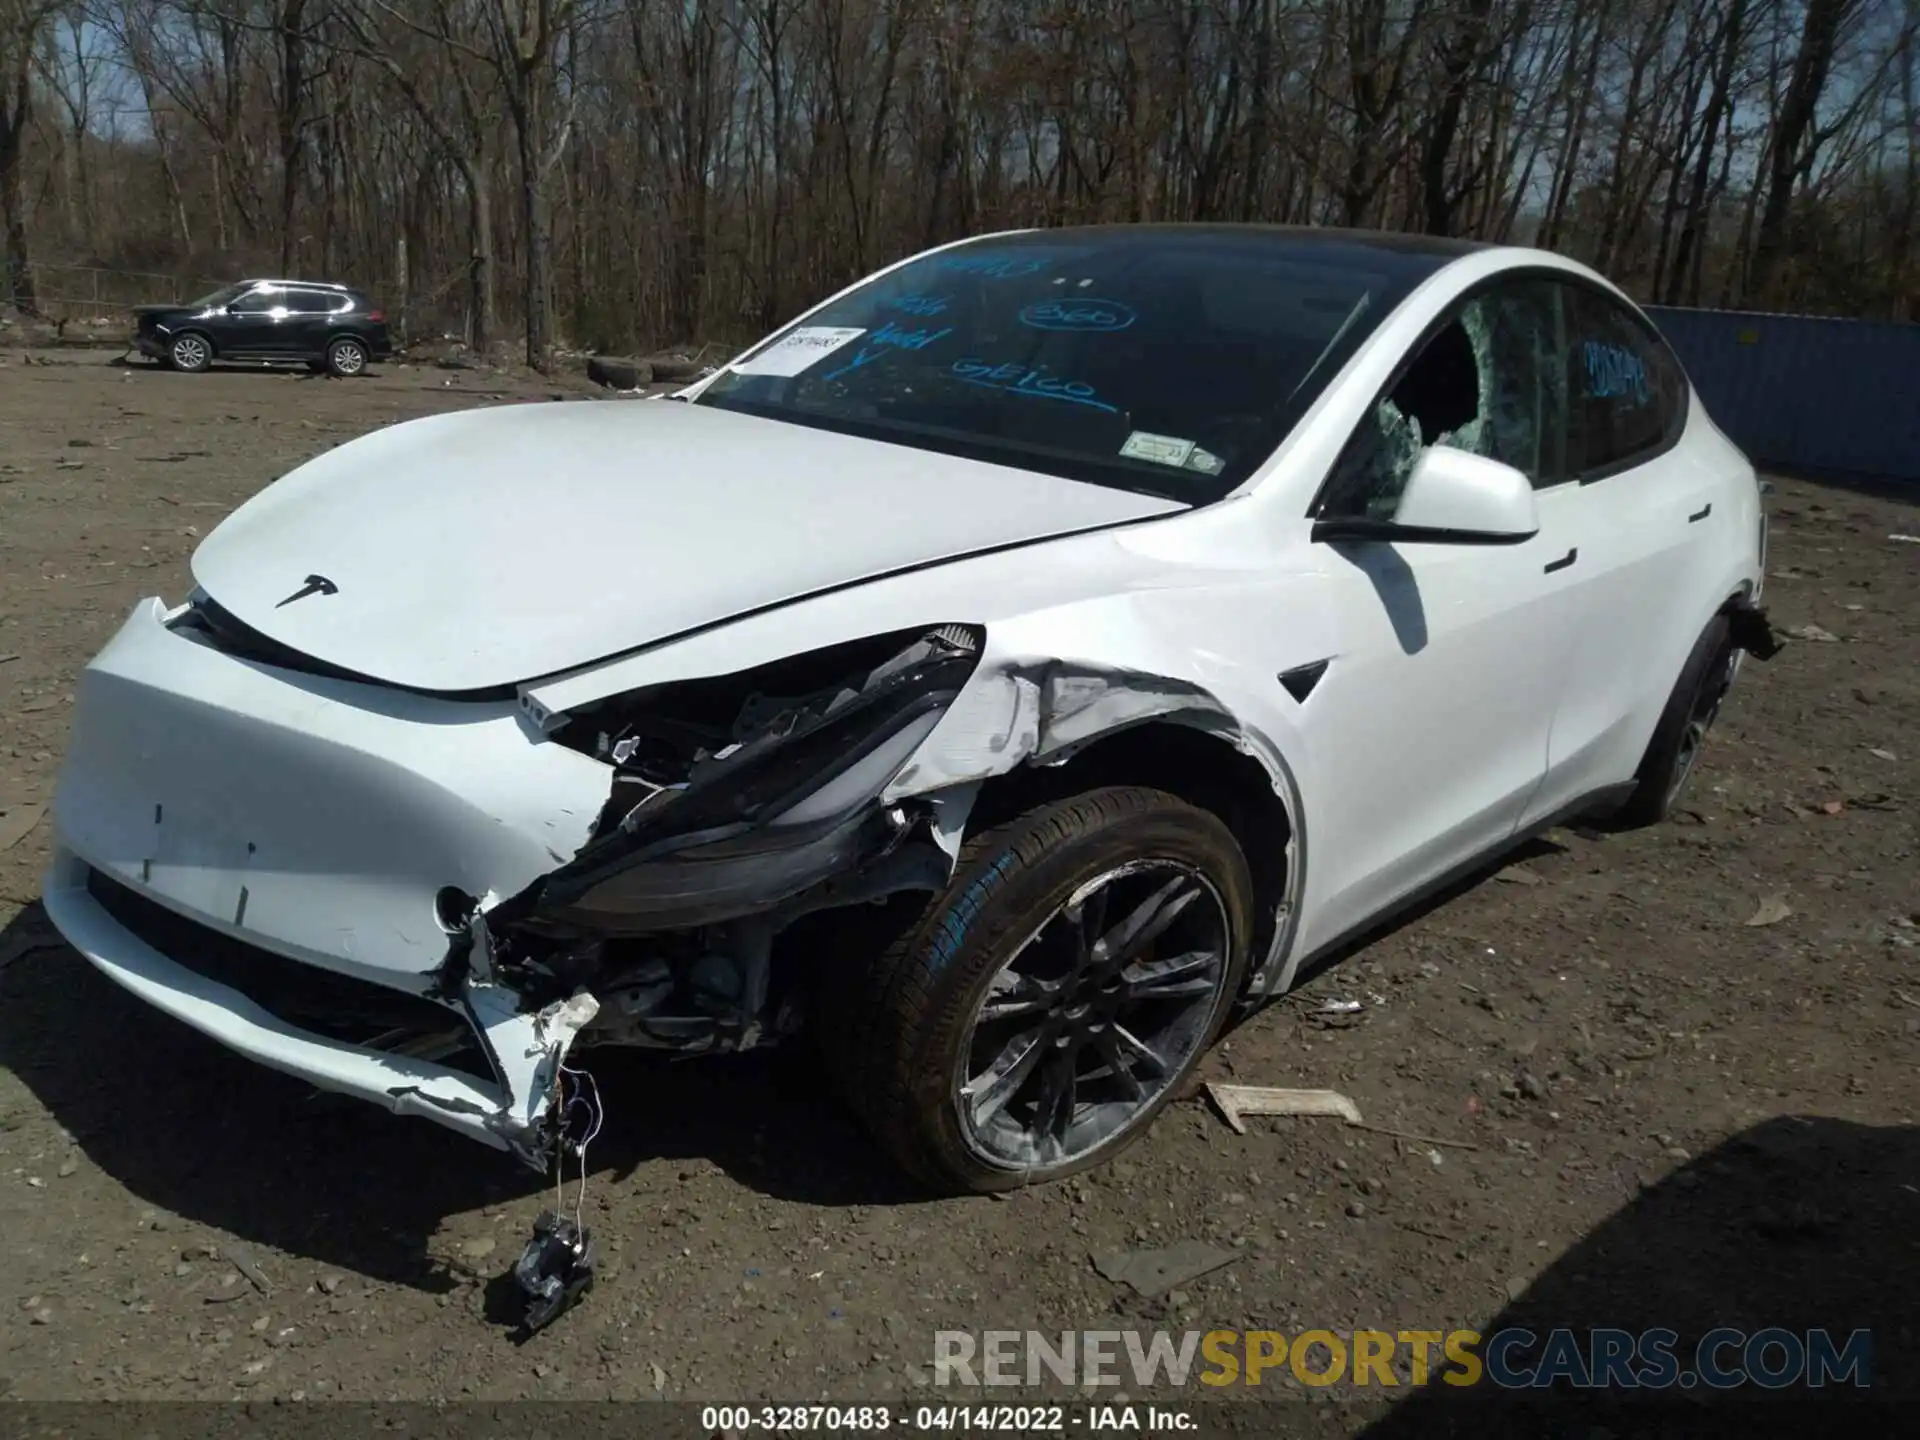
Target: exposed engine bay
[740,806]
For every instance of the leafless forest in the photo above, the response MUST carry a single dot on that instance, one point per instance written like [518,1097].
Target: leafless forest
[623,172]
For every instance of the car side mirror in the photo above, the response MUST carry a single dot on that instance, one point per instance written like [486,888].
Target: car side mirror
[1453,497]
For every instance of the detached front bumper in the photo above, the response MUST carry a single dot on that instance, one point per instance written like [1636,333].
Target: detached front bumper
[239,845]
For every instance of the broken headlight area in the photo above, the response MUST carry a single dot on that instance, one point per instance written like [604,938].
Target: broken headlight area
[705,759]
[735,793]
[740,806]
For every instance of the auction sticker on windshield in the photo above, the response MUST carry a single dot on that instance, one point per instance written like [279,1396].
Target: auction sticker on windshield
[798,349]
[1166,449]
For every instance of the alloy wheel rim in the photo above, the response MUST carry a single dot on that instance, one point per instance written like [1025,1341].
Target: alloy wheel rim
[189,352]
[349,359]
[1087,1023]
[1707,700]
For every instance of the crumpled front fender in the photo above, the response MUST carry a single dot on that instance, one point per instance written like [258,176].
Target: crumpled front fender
[1034,701]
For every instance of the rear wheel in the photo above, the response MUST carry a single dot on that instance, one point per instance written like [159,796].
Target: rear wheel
[1049,1004]
[190,352]
[1674,752]
[346,356]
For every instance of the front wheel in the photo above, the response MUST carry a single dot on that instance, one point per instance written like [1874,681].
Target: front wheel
[346,357]
[1051,1001]
[190,352]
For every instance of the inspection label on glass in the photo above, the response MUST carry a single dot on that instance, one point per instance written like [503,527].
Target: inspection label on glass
[1164,449]
[798,349]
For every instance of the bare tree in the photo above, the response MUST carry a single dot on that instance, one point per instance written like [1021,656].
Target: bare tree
[709,166]
[1797,136]
[21,25]
[70,61]
[527,46]
[436,78]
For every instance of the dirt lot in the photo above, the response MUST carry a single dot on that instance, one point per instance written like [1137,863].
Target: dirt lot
[1678,1115]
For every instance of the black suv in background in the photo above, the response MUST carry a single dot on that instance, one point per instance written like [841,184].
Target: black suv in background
[327,327]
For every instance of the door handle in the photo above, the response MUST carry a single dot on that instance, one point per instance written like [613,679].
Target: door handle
[1562,563]
[1702,513]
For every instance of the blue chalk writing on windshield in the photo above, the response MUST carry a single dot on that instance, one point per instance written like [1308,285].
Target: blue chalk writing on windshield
[1078,313]
[888,337]
[921,304]
[866,355]
[1614,371]
[1017,379]
[991,267]
[892,334]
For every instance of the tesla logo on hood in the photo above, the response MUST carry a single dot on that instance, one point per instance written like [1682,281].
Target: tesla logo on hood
[316,585]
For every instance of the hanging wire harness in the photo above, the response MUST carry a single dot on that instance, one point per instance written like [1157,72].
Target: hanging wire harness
[556,1269]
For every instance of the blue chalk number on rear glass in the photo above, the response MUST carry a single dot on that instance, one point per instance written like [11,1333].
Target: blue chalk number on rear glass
[1614,372]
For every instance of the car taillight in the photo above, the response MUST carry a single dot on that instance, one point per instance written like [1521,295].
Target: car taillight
[378,317]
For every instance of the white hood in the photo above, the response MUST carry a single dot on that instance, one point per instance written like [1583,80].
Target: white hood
[492,546]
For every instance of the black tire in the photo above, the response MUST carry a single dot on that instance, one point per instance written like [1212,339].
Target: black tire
[904,1031]
[617,374]
[190,351]
[346,357]
[1674,751]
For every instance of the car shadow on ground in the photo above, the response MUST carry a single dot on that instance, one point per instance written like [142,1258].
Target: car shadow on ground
[297,369]
[201,1134]
[1799,1223]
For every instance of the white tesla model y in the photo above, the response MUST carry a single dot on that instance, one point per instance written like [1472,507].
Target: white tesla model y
[1025,658]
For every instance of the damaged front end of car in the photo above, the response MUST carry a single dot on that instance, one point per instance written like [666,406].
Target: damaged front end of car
[739,805]
[431,901]
[428,901]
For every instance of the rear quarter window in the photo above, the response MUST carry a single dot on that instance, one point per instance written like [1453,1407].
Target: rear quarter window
[1627,395]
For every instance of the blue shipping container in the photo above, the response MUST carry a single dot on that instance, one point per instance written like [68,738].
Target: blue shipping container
[1801,392]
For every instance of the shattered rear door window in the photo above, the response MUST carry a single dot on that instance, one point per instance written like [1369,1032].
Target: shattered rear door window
[1166,362]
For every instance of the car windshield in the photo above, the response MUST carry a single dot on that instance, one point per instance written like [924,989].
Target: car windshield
[1169,362]
[225,295]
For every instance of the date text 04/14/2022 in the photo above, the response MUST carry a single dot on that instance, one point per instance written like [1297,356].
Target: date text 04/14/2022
[944,1419]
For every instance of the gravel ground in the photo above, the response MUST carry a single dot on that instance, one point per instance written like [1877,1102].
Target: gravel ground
[1677,1066]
